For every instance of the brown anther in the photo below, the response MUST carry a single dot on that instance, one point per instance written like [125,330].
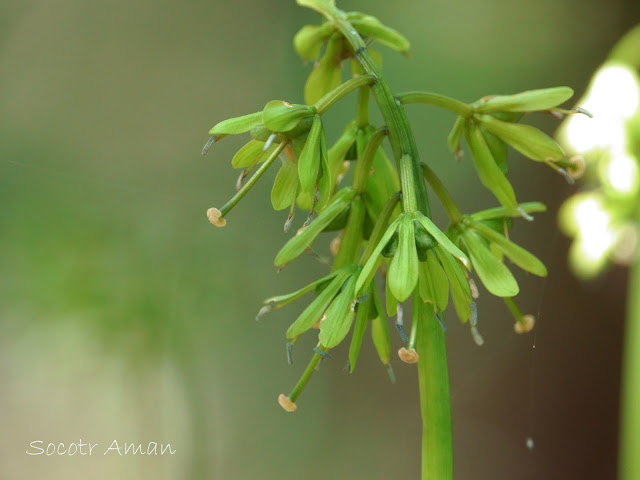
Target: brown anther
[525,324]
[287,404]
[215,217]
[408,356]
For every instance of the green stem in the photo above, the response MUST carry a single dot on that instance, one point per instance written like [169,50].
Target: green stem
[313,363]
[435,401]
[513,308]
[629,462]
[226,208]
[437,100]
[337,93]
[442,193]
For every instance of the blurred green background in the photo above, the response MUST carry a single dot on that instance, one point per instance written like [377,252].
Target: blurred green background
[125,315]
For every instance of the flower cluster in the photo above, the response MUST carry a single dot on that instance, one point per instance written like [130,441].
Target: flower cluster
[383,215]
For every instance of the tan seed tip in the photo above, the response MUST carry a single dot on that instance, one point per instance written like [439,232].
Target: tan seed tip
[408,356]
[287,404]
[525,324]
[215,217]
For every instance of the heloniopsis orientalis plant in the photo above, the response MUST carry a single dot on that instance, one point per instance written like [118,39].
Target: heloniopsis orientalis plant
[383,216]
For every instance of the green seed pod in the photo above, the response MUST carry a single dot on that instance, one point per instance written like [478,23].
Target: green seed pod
[390,248]
[424,240]
[281,116]
[339,222]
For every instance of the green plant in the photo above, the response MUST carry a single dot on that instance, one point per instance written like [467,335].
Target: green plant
[384,215]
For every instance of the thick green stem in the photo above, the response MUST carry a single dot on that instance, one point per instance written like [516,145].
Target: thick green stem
[629,462]
[435,401]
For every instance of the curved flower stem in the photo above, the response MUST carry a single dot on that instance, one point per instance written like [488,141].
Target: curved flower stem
[436,100]
[226,208]
[442,193]
[347,87]
[313,363]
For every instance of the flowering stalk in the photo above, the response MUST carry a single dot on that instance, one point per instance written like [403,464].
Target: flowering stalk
[383,217]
